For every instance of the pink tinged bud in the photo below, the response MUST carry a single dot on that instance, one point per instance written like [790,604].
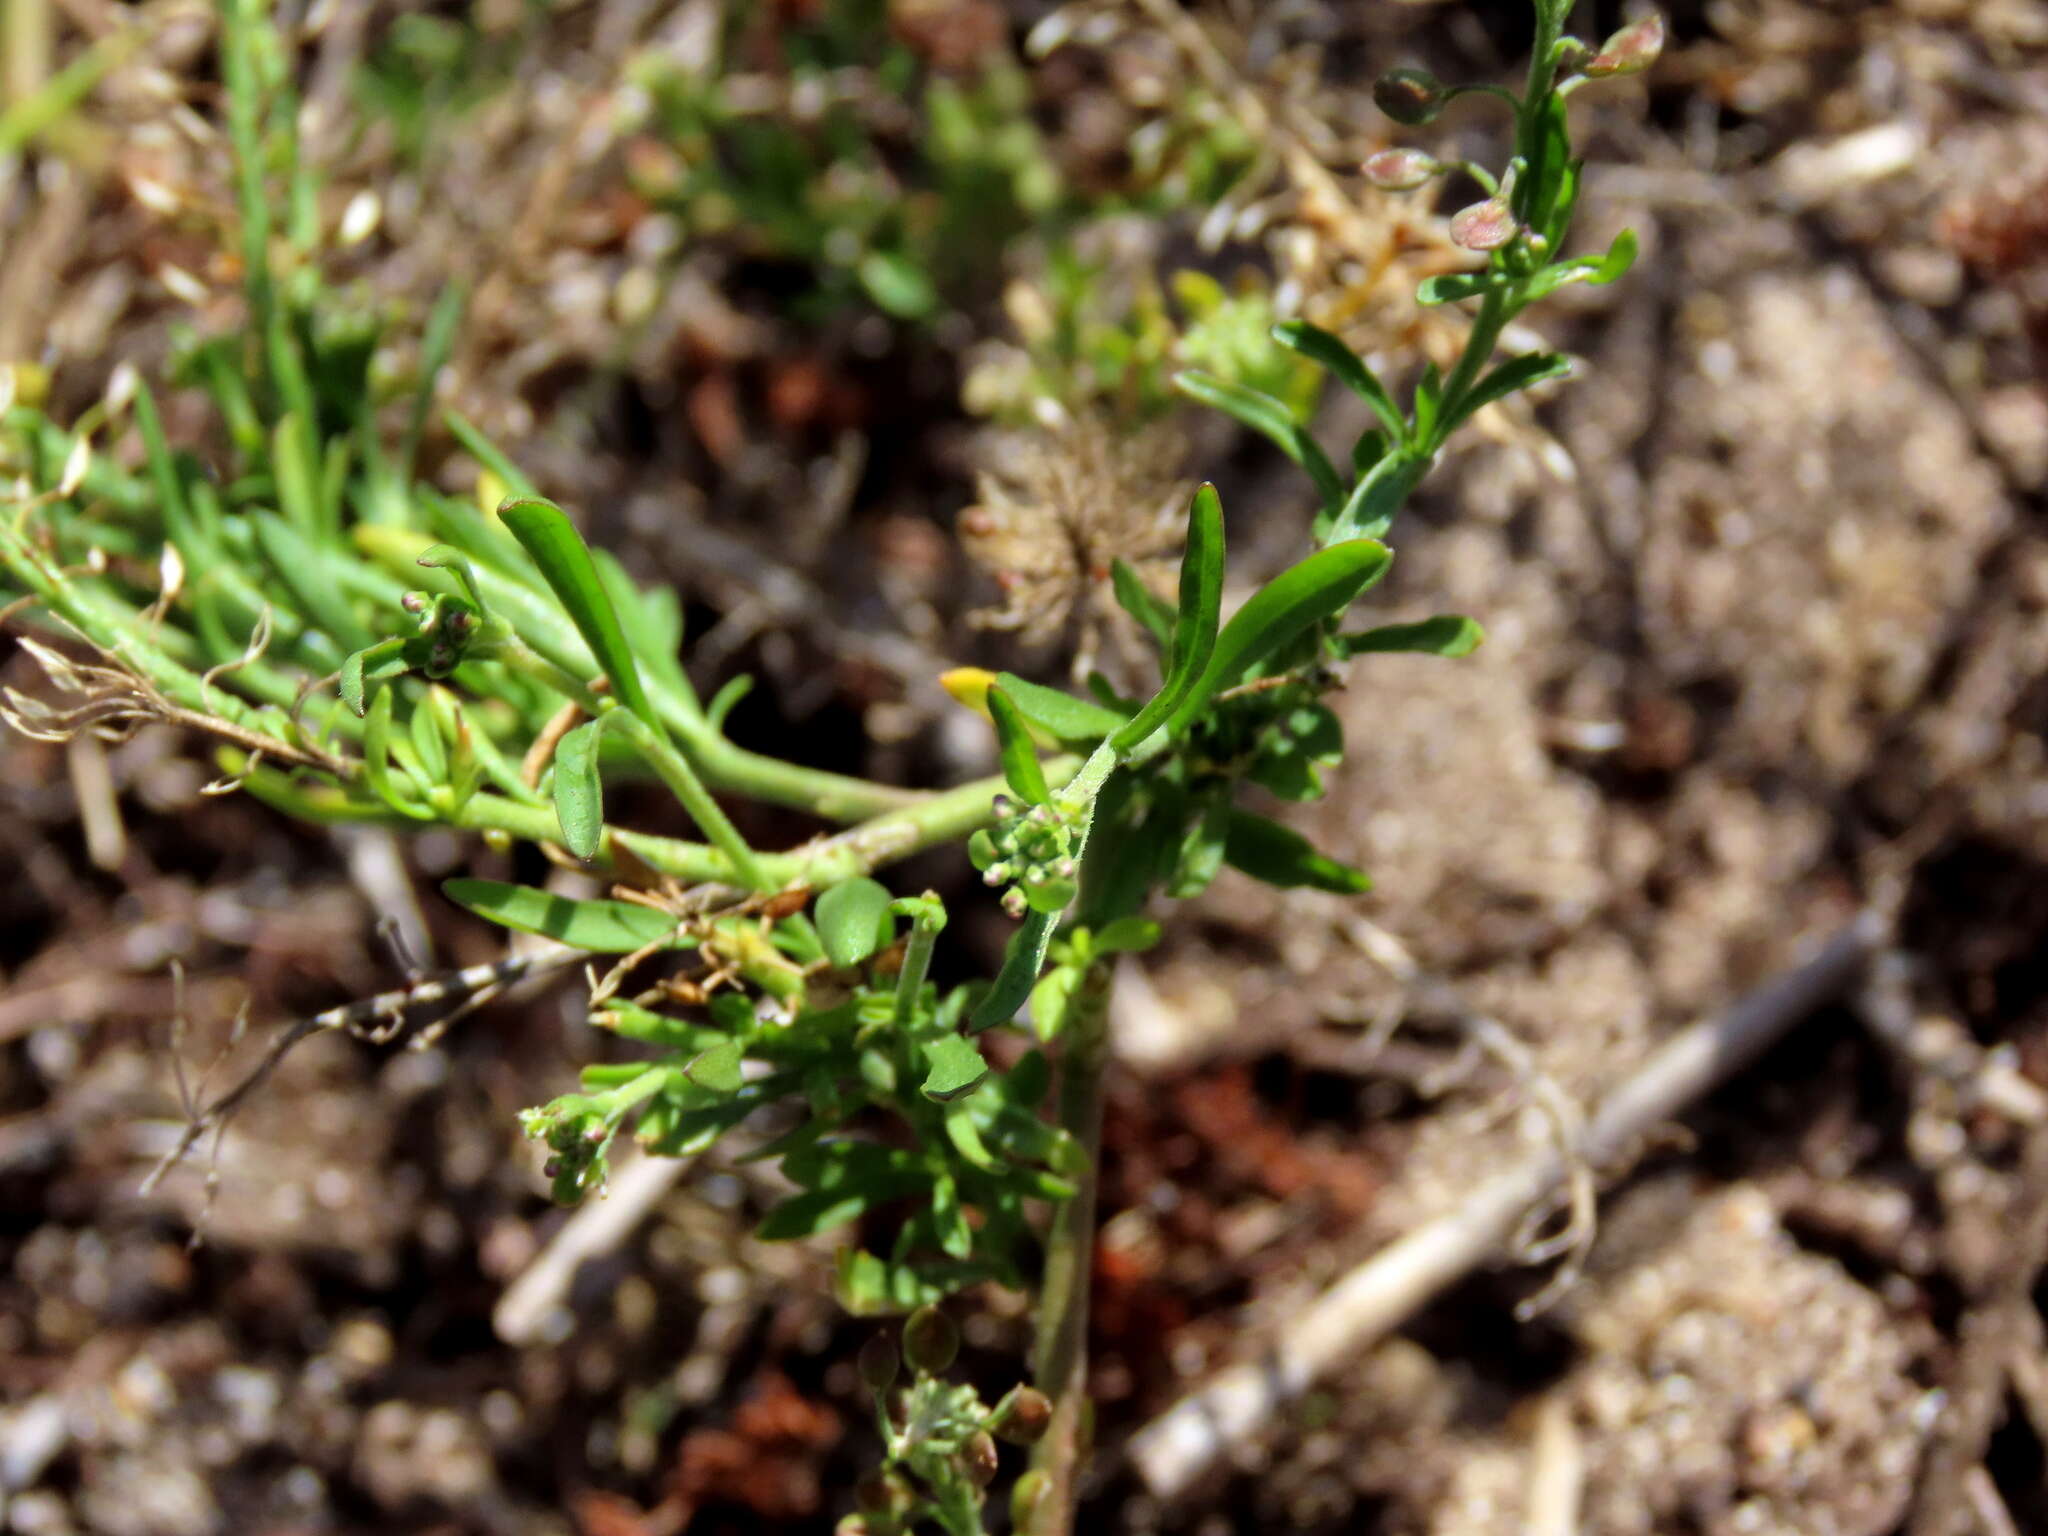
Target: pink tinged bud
[1631,50]
[1401,170]
[1484,226]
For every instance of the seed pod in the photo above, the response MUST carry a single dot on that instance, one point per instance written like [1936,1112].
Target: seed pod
[1411,97]
[1021,1418]
[1631,50]
[1485,226]
[978,1459]
[1401,170]
[878,1363]
[930,1341]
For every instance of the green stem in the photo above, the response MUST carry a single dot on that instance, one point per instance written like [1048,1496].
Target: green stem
[917,962]
[1060,1357]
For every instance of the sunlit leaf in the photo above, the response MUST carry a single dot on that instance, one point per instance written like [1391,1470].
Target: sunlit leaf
[603,927]
[853,920]
[578,790]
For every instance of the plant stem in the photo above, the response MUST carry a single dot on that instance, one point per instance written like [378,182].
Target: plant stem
[1060,1360]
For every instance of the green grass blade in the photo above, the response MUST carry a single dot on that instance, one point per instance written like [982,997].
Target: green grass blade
[602,927]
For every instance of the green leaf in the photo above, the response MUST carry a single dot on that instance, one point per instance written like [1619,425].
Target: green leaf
[1597,270]
[956,1237]
[545,532]
[446,557]
[1270,418]
[953,1068]
[1202,848]
[1377,497]
[427,742]
[578,790]
[304,572]
[1445,634]
[376,760]
[1021,963]
[602,927]
[1307,593]
[1194,630]
[1320,346]
[853,920]
[897,286]
[1059,714]
[367,666]
[1020,759]
[1429,394]
[1516,374]
[718,1069]
[1127,935]
[1280,856]
[1449,287]
[1142,603]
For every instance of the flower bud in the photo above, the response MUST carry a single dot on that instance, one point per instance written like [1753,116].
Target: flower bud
[1485,226]
[1021,1418]
[930,1341]
[1631,50]
[1401,170]
[878,1363]
[978,1459]
[1411,97]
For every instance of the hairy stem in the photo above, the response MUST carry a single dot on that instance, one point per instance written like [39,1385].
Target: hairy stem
[1060,1359]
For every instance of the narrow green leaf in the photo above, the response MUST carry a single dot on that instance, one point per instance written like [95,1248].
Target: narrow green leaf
[1598,270]
[298,479]
[1195,627]
[602,927]
[488,454]
[1445,634]
[1280,856]
[1515,374]
[1429,394]
[303,570]
[1315,589]
[1377,497]
[1320,346]
[965,1135]
[718,1069]
[722,702]
[559,551]
[436,343]
[953,1068]
[376,759]
[1128,935]
[1449,287]
[853,920]
[1142,603]
[1020,759]
[446,557]
[1021,963]
[163,473]
[428,743]
[1059,714]
[578,790]
[1202,848]
[1271,419]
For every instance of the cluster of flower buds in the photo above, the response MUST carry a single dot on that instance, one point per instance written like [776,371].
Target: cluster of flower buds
[1414,97]
[448,622]
[576,1129]
[938,1431]
[1032,849]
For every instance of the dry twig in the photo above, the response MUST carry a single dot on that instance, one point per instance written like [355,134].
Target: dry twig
[1179,1446]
